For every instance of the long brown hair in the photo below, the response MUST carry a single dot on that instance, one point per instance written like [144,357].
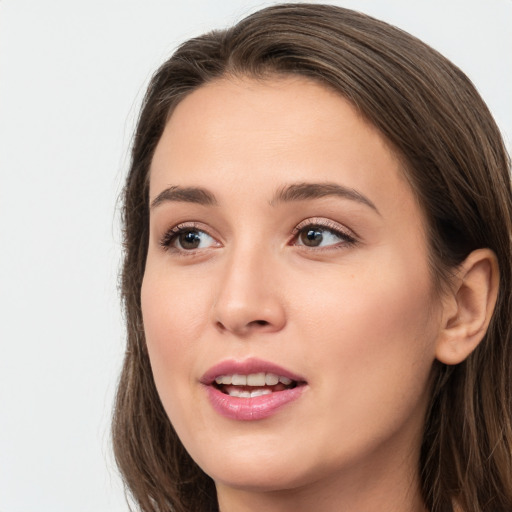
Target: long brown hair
[456,163]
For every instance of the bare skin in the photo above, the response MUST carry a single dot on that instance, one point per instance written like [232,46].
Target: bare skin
[332,284]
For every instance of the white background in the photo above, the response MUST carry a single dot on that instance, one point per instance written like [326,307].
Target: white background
[72,74]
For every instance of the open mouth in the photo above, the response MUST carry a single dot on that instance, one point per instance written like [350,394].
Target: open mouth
[253,384]
[252,389]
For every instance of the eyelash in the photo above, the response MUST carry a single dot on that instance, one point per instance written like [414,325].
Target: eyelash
[172,234]
[347,238]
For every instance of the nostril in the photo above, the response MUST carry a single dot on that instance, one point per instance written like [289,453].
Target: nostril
[254,323]
[259,322]
[243,328]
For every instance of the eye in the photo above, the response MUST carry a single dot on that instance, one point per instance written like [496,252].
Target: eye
[320,235]
[187,238]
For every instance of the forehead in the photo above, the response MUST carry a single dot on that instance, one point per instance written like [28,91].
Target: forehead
[252,136]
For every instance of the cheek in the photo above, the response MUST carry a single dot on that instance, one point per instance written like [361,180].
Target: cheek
[174,310]
[374,338]
[378,309]
[174,314]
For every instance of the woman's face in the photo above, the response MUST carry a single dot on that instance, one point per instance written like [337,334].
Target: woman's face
[285,244]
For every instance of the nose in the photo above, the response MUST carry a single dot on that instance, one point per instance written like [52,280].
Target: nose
[249,297]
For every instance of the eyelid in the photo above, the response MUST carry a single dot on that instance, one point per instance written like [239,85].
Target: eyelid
[336,227]
[170,234]
[347,235]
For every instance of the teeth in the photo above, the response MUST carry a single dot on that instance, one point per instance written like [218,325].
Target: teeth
[253,379]
[256,379]
[248,394]
[239,380]
[261,392]
[271,379]
[223,379]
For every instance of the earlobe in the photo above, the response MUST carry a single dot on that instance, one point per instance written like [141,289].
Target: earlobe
[469,307]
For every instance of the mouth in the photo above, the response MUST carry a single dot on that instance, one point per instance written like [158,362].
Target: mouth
[251,389]
[253,384]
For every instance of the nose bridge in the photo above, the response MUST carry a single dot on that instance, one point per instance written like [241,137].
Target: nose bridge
[247,298]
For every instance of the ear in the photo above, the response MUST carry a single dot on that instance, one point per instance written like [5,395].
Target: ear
[468,307]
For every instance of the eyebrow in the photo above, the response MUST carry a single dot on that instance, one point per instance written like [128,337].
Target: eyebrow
[288,193]
[304,191]
[195,195]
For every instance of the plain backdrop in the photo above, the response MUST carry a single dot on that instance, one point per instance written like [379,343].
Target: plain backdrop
[72,75]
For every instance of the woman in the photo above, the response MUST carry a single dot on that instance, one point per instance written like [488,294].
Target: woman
[317,277]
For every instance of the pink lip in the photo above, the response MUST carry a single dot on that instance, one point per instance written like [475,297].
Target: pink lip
[255,408]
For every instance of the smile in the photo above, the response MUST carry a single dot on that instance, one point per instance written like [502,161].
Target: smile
[251,390]
[254,384]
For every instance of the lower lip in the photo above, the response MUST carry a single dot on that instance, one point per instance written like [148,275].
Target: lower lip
[251,409]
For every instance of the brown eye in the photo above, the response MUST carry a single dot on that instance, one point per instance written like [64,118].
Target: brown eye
[315,235]
[311,237]
[189,239]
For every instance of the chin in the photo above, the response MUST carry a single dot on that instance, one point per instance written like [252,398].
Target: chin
[263,479]
[261,467]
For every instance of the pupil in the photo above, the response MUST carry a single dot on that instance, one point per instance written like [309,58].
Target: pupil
[190,240]
[312,237]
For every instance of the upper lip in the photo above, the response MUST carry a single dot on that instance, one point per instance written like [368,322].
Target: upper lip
[246,367]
